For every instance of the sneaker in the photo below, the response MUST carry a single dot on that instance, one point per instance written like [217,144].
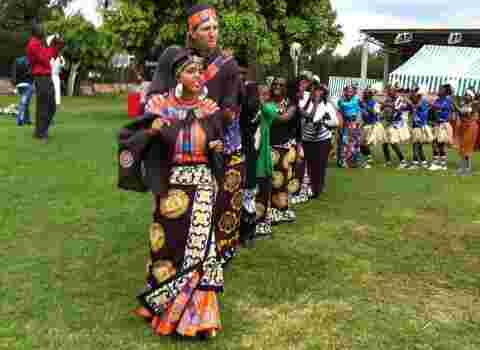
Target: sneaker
[413,166]
[425,164]
[367,166]
[435,167]
[403,164]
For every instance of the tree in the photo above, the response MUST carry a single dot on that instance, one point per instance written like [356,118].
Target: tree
[327,64]
[86,48]
[132,25]
[15,26]
[309,22]
[259,31]
[17,15]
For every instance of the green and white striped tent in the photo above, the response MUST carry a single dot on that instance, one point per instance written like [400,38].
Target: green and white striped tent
[337,84]
[434,65]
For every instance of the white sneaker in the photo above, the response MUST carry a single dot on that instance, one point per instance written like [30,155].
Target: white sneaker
[367,166]
[403,164]
[413,166]
[435,167]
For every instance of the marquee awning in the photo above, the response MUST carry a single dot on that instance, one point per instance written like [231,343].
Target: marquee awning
[435,65]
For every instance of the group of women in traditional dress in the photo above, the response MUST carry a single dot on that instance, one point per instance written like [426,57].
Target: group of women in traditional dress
[415,118]
[226,158]
[294,142]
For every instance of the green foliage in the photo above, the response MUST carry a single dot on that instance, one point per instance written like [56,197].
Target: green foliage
[85,44]
[131,25]
[327,64]
[259,31]
[17,15]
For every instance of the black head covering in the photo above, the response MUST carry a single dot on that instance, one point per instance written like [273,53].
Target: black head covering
[183,57]
[37,29]
[164,79]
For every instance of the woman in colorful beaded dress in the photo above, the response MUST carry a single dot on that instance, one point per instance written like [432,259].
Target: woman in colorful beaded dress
[184,273]
[467,132]
[283,137]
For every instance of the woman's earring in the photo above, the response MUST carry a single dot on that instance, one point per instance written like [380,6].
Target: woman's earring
[179,90]
[204,93]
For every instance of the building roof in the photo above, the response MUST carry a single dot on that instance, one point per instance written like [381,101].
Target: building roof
[423,36]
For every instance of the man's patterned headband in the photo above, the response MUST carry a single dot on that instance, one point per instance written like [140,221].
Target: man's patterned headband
[201,17]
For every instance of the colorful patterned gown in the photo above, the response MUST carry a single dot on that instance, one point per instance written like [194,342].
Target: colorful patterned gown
[283,157]
[184,273]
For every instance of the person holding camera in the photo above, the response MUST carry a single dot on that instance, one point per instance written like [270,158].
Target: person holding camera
[318,117]
[39,57]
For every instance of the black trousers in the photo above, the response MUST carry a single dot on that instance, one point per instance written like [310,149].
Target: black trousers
[365,149]
[439,149]
[46,106]
[396,149]
[316,156]
[418,154]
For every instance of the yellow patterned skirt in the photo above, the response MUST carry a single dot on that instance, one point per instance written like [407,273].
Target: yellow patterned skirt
[184,272]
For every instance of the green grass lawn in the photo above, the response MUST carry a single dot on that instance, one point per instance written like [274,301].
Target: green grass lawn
[387,259]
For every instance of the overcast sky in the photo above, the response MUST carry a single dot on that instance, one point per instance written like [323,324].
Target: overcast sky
[353,15]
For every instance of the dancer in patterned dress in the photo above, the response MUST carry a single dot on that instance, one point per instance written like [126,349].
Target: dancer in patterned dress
[349,136]
[174,146]
[283,140]
[442,130]
[267,114]
[421,131]
[396,130]
[222,82]
[299,187]
[373,132]
[467,132]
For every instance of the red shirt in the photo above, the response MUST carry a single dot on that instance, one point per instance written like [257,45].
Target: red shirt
[39,57]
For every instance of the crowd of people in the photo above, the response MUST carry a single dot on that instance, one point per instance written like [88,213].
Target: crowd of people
[416,118]
[39,71]
[226,158]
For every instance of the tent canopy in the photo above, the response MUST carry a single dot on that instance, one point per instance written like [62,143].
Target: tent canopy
[434,65]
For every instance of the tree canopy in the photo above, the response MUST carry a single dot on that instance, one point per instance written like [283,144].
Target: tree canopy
[259,31]
[86,47]
[17,15]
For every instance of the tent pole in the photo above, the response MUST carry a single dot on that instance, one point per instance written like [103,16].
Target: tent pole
[386,67]
[364,71]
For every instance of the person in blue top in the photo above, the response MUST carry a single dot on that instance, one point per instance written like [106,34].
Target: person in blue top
[23,81]
[442,108]
[349,136]
[396,130]
[372,130]
[421,131]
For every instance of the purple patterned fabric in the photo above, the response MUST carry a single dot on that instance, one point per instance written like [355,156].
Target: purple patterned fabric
[232,137]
